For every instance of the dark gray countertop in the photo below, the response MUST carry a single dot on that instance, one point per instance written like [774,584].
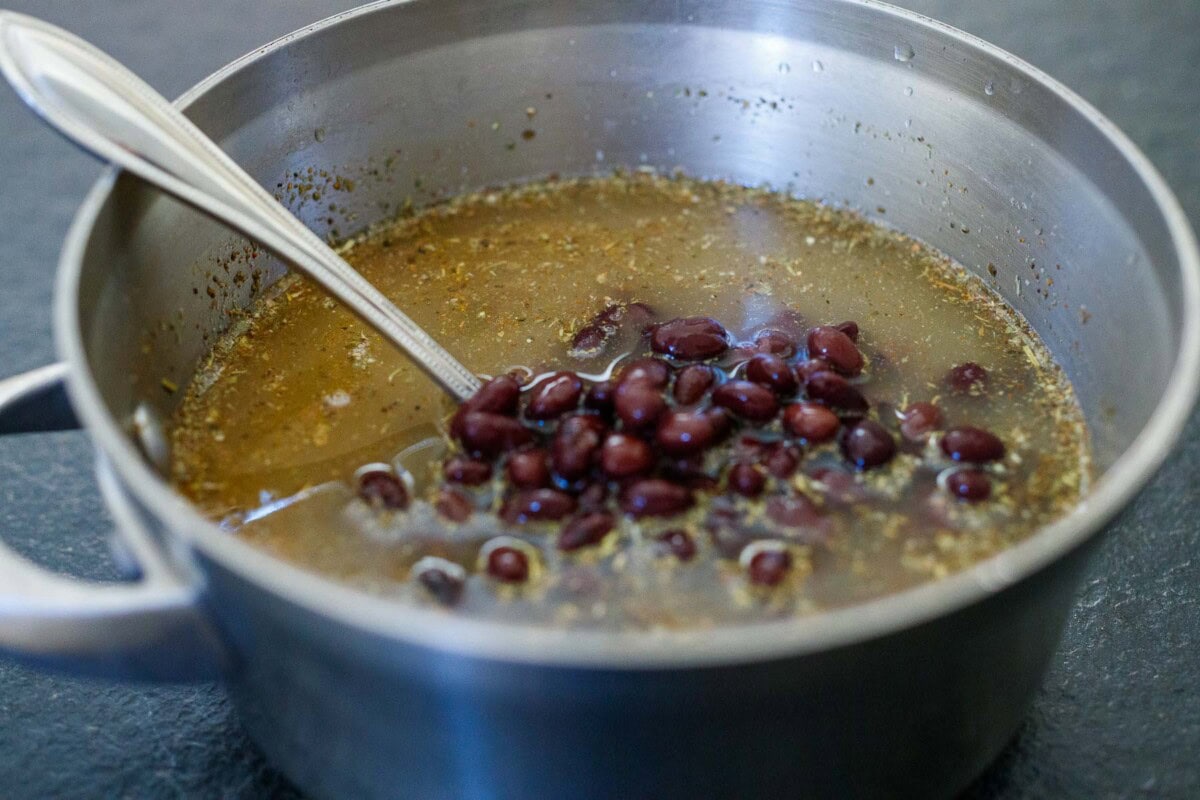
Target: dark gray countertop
[1119,715]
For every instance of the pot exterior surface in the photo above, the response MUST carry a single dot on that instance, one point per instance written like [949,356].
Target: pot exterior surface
[916,714]
[913,124]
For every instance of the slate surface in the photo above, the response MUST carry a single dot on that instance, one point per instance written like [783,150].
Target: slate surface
[1119,715]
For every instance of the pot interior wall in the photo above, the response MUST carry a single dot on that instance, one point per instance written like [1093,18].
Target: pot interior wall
[845,103]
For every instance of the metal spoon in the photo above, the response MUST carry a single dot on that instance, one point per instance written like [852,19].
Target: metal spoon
[107,110]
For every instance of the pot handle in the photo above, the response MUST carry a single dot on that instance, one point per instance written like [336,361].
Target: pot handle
[153,628]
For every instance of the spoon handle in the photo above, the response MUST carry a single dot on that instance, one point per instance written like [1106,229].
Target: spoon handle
[106,109]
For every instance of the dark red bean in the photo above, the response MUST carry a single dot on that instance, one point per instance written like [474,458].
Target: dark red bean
[806,369]
[383,489]
[834,390]
[488,434]
[679,543]
[584,531]
[685,433]
[835,347]
[812,422]
[500,395]
[653,497]
[692,382]
[782,460]
[653,371]
[467,471]
[591,338]
[720,419]
[601,396]
[690,338]
[690,472]
[593,497]
[850,328]
[971,485]
[529,469]
[746,480]
[972,444]
[776,343]
[536,505]
[919,420]
[576,445]
[868,444]
[750,448]
[774,373]
[639,404]
[554,396]
[769,567]
[967,378]
[623,456]
[747,400]
[445,588]
[508,564]
[453,505]
[792,511]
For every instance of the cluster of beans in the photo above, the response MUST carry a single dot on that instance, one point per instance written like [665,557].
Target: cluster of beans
[580,453]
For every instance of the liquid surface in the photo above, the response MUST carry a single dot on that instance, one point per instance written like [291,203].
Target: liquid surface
[301,396]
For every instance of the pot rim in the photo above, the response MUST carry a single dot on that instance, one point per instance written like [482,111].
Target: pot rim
[390,619]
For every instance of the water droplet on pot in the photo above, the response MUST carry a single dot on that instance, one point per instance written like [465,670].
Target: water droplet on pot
[818,66]
[904,52]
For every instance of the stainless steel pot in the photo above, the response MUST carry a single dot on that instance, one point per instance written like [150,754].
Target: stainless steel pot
[855,102]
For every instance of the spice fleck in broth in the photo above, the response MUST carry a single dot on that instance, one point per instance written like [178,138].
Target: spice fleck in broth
[832,412]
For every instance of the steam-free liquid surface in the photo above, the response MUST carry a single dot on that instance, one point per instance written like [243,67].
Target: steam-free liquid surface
[296,400]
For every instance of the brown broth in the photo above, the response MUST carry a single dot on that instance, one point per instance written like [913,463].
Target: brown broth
[293,402]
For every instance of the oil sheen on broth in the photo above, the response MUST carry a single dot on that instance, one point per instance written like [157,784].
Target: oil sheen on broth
[300,396]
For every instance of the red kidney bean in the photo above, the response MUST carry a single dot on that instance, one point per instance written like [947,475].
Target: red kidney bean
[747,400]
[453,505]
[639,404]
[919,420]
[812,422]
[652,371]
[576,445]
[972,485]
[554,396]
[776,343]
[508,564]
[653,497]
[967,377]
[835,347]
[623,456]
[529,469]
[685,433]
[679,543]
[850,328]
[773,372]
[488,434]
[590,340]
[467,471]
[382,489]
[585,530]
[720,420]
[781,460]
[690,338]
[769,567]
[750,448]
[536,505]
[746,480]
[500,395]
[834,390]
[972,444]
[868,444]
[445,588]
[601,396]
[792,511]
[692,382]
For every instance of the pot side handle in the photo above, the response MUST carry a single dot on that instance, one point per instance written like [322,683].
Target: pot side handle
[153,628]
